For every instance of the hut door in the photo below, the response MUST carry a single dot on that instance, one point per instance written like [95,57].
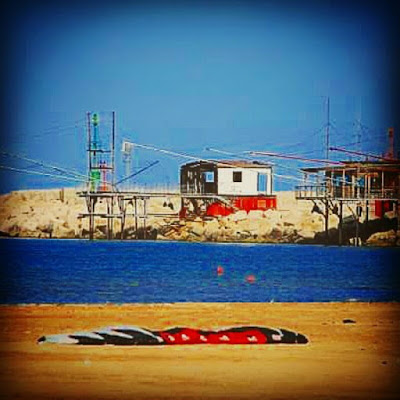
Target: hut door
[262,183]
[209,182]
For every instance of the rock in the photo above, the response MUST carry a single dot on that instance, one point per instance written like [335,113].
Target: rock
[197,229]
[61,232]
[255,214]
[184,235]
[85,233]
[273,216]
[238,216]
[25,209]
[289,231]
[246,225]
[265,227]
[276,234]
[149,233]
[129,232]
[101,228]
[227,234]
[388,238]
[46,229]
[243,235]
[14,231]
[211,232]
[306,234]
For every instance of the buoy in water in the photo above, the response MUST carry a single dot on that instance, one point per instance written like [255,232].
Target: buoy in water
[250,278]
[220,270]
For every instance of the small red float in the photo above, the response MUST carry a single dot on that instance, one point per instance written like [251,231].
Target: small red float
[250,278]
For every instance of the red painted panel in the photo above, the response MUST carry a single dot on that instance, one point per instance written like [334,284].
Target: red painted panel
[216,209]
[255,203]
[382,206]
[247,203]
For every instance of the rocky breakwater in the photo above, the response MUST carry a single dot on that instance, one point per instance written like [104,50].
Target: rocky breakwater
[293,222]
[41,214]
[55,214]
[256,226]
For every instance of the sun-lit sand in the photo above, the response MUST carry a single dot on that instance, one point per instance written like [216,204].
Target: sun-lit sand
[358,360]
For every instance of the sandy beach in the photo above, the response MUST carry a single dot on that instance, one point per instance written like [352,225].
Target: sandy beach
[357,360]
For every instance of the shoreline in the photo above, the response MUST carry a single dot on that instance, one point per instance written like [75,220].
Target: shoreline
[176,241]
[193,303]
[355,360]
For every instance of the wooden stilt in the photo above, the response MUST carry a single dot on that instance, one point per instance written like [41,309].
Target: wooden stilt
[112,218]
[357,230]
[122,210]
[136,219]
[326,221]
[109,220]
[91,218]
[340,223]
[144,218]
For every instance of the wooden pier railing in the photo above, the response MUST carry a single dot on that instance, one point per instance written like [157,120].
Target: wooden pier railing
[322,191]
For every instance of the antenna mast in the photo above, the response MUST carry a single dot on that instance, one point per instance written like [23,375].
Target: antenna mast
[358,129]
[327,129]
[101,148]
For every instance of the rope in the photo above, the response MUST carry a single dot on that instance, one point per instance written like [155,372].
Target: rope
[41,173]
[175,154]
[42,164]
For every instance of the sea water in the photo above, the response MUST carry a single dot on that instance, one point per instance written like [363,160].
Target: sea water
[79,271]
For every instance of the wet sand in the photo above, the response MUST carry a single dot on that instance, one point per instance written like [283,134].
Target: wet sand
[358,360]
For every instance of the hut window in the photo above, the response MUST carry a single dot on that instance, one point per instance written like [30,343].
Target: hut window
[209,176]
[237,176]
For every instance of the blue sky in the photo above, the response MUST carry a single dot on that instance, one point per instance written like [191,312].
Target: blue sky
[189,75]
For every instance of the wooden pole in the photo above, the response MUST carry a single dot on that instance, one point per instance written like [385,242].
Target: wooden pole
[89,151]
[398,215]
[343,183]
[112,218]
[122,210]
[357,228]
[108,219]
[326,221]
[136,219]
[113,151]
[144,218]
[91,217]
[327,129]
[340,223]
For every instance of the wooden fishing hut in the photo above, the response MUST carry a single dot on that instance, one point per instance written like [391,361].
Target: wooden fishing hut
[359,185]
[221,187]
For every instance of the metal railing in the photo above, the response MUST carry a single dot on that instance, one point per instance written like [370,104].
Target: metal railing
[310,191]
